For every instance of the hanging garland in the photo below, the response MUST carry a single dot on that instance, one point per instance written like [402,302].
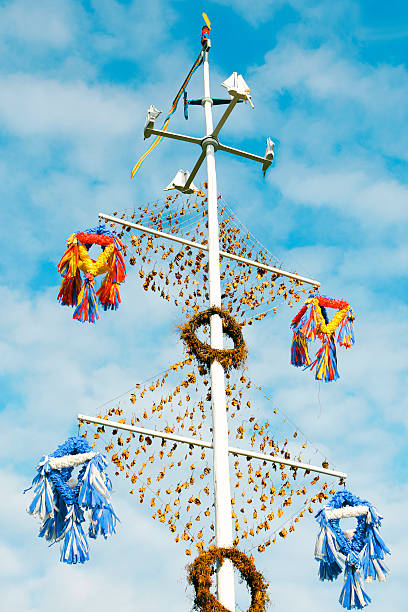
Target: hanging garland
[61,507]
[362,548]
[200,572]
[76,259]
[229,358]
[312,322]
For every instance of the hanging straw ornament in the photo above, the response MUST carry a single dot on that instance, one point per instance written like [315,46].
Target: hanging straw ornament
[362,548]
[229,358]
[62,504]
[76,259]
[201,570]
[312,322]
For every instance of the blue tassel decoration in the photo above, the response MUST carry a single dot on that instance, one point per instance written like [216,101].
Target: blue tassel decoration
[54,526]
[48,530]
[380,547]
[329,567]
[372,559]
[103,521]
[326,551]
[364,550]
[352,595]
[74,547]
[93,492]
[61,505]
[42,504]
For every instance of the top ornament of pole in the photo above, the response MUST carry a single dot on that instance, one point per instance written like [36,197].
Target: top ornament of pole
[238,91]
[205,33]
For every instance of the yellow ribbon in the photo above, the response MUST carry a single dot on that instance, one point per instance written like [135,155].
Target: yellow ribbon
[330,327]
[90,266]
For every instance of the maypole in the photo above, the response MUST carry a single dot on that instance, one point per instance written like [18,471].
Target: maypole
[222,493]
[183,182]
[62,507]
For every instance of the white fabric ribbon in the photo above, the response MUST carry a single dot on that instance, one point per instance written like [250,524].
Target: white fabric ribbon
[57,463]
[345,512]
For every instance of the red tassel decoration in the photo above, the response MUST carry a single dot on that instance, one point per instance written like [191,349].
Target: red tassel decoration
[109,295]
[70,289]
[309,324]
[299,356]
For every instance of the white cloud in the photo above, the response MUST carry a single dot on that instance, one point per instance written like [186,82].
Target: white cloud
[33,106]
[133,29]
[46,23]
[354,192]
[72,141]
[356,98]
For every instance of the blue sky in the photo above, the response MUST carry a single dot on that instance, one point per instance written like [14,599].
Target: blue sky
[330,85]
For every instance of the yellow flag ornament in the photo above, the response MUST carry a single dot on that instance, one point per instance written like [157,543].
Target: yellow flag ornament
[207,21]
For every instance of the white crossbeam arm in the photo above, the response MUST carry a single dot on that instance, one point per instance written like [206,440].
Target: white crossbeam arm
[204,247]
[227,149]
[220,145]
[262,266]
[195,170]
[295,464]
[83,418]
[225,116]
[149,230]
[176,136]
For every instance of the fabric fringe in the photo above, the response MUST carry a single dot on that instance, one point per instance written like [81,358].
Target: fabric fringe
[326,361]
[70,289]
[74,547]
[87,309]
[109,295]
[346,332]
[93,492]
[326,553]
[42,504]
[372,559]
[68,264]
[309,323]
[352,595]
[103,521]
[299,355]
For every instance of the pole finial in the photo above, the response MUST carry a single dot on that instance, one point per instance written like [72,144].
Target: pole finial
[205,33]
[207,21]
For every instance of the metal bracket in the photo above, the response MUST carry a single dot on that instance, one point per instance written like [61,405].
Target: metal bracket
[210,140]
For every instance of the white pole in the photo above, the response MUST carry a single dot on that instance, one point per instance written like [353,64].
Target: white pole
[222,493]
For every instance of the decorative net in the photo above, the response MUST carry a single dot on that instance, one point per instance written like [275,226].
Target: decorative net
[176,479]
[179,273]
